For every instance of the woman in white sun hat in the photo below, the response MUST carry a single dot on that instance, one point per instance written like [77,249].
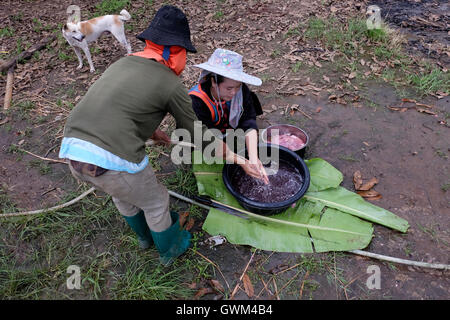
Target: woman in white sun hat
[222,99]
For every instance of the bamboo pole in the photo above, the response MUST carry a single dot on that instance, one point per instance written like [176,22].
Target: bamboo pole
[9,88]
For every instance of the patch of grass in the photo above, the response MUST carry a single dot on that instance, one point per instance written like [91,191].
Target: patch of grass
[430,80]
[6,204]
[388,75]
[65,57]
[23,109]
[94,50]
[335,35]
[430,231]
[377,35]
[106,7]
[18,16]
[311,285]
[295,31]
[42,166]
[408,250]
[308,263]
[445,187]
[315,28]
[354,43]
[19,46]
[6,32]
[383,52]
[202,269]
[154,153]
[182,181]
[195,212]
[275,53]
[297,66]
[349,158]
[144,280]
[219,15]
[14,149]
[35,252]
[37,25]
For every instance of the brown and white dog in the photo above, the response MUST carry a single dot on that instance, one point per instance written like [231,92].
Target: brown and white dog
[79,33]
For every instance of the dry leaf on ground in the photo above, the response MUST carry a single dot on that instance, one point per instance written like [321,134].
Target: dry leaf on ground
[183,217]
[202,291]
[193,285]
[190,224]
[368,193]
[425,111]
[357,179]
[216,285]
[365,189]
[248,287]
[368,185]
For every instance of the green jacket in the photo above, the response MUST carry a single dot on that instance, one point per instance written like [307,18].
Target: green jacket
[123,108]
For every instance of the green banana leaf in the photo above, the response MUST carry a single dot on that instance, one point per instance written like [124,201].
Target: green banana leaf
[346,201]
[304,228]
[323,175]
[319,222]
[308,230]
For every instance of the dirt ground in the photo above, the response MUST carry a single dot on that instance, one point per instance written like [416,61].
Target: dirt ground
[405,149]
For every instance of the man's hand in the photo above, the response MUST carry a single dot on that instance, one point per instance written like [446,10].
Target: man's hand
[160,137]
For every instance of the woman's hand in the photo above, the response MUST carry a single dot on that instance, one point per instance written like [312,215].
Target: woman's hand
[255,170]
[255,167]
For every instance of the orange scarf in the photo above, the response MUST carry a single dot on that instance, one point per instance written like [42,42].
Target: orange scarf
[176,59]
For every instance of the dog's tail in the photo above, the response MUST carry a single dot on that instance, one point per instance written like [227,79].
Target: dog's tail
[124,15]
[73,13]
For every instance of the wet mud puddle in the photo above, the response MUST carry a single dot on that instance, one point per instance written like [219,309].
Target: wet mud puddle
[283,184]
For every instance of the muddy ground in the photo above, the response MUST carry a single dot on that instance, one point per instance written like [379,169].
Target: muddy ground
[405,149]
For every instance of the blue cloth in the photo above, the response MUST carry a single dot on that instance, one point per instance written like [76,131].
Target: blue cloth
[80,150]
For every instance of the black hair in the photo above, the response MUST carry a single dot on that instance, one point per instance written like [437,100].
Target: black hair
[217,77]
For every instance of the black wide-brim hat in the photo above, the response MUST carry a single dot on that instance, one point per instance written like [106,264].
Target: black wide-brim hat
[169,27]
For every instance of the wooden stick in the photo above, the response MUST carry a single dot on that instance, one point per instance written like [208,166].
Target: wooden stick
[9,88]
[215,265]
[42,158]
[264,288]
[288,269]
[4,215]
[151,142]
[287,283]
[276,288]
[304,113]
[303,284]
[402,261]
[242,276]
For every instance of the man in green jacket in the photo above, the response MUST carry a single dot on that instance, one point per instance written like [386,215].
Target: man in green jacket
[105,134]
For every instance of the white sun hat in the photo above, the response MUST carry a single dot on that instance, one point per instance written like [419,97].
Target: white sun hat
[228,63]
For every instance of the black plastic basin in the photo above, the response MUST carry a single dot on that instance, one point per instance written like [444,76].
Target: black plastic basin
[267,209]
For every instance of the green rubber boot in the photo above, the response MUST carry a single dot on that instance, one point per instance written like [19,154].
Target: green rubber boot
[172,242]
[140,227]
